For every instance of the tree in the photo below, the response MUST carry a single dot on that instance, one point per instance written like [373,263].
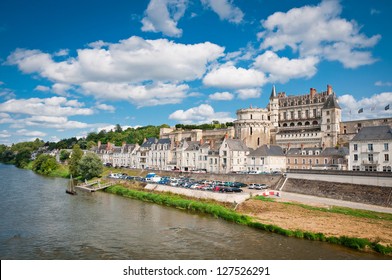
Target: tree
[90,166]
[118,128]
[23,157]
[45,164]
[90,144]
[76,156]
[64,155]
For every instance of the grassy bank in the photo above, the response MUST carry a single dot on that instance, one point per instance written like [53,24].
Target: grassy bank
[336,209]
[223,212]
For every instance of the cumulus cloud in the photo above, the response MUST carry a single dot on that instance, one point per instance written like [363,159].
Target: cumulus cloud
[4,134]
[282,69]
[142,95]
[221,96]
[105,107]
[229,76]
[30,133]
[131,63]
[225,10]
[201,114]
[163,16]
[319,31]
[63,52]
[42,88]
[373,107]
[54,106]
[248,93]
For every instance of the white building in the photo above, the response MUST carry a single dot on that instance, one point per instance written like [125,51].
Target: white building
[267,158]
[370,149]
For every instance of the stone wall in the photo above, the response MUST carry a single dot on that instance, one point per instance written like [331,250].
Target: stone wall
[381,196]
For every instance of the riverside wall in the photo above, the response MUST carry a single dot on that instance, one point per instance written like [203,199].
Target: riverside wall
[375,195]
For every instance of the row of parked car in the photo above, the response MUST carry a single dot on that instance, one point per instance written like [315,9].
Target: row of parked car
[187,182]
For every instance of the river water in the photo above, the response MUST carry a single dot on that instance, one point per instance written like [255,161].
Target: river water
[40,221]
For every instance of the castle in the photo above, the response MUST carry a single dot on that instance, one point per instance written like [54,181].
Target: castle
[304,121]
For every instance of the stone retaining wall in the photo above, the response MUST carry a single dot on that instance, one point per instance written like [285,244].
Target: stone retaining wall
[375,195]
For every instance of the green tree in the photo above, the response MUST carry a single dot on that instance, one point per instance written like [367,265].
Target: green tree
[23,157]
[90,144]
[45,164]
[118,128]
[90,166]
[64,155]
[76,156]
[7,156]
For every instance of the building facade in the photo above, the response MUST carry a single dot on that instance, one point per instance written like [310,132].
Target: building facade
[370,149]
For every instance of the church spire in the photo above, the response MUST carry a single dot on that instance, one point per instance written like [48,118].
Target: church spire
[273,92]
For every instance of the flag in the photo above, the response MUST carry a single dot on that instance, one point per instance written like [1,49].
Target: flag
[387,107]
[360,111]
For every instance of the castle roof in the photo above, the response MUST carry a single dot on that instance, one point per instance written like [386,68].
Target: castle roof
[331,102]
[273,92]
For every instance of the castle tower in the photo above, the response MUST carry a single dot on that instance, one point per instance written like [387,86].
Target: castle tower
[330,119]
[273,108]
[253,127]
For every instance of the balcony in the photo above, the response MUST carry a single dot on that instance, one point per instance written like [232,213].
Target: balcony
[370,162]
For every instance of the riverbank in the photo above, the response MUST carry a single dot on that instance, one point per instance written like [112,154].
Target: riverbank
[268,215]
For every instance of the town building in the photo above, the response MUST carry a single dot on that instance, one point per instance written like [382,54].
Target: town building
[266,158]
[370,149]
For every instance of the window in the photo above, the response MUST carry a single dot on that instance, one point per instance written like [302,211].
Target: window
[251,131]
[251,116]
[370,157]
[386,169]
[303,161]
[295,161]
[310,161]
[386,157]
[386,147]
[355,168]
[314,113]
[370,147]
[355,157]
[325,161]
[327,113]
[292,114]
[355,147]
[258,141]
[328,120]
[288,161]
[317,161]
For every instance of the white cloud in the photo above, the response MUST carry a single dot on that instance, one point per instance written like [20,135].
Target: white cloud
[229,76]
[319,31]
[109,127]
[105,107]
[141,95]
[1,83]
[248,93]
[42,88]
[54,106]
[124,65]
[62,52]
[283,69]
[25,132]
[221,96]
[163,16]
[201,114]
[225,10]
[4,134]
[373,107]
[375,12]
[383,84]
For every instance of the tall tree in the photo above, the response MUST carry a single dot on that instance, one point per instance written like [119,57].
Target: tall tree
[90,166]
[76,156]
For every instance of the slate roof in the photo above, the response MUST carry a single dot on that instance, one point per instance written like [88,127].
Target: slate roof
[149,142]
[193,146]
[164,141]
[267,150]
[298,151]
[236,145]
[343,151]
[331,102]
[374,133]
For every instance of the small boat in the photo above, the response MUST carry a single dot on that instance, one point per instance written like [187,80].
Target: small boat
[71,187]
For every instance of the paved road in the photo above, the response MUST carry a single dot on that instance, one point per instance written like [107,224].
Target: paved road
[315,200]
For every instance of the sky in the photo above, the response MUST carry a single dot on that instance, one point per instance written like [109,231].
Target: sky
[70,67]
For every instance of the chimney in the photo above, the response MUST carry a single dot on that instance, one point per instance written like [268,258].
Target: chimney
[201,141]
[99,144]
[312,92]
[226,135]
[109,146]
[329,89]
[123,144]
[302,146]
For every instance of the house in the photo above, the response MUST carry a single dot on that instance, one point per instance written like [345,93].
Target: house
[232,154]
[266,158]
[370,149]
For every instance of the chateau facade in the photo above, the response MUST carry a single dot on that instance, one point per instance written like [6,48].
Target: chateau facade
[311,120]
[292,132]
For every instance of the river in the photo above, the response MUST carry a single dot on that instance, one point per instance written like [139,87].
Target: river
[40,221]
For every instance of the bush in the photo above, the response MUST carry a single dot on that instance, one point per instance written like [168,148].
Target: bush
[45,164]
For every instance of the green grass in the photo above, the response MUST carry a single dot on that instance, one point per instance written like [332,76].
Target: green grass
[62,171]
[220,211]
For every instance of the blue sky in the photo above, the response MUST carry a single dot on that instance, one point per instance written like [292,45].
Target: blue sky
[71,67]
